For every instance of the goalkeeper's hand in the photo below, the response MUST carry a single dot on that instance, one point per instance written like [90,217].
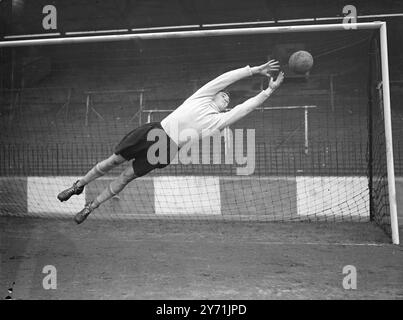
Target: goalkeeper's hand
[274,84]
[267,68]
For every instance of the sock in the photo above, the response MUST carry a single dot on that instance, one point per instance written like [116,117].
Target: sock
[91,175]
[112,190]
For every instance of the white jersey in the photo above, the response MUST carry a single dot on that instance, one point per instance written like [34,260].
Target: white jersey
[200,114]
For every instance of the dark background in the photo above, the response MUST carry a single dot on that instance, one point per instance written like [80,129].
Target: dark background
[41,136]
[77,15]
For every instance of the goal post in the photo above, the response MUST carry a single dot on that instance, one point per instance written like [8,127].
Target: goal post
[388,133]
[331,183]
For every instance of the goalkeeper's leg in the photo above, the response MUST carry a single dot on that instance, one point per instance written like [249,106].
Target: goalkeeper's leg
[101,168]
[113,189]
[97,171]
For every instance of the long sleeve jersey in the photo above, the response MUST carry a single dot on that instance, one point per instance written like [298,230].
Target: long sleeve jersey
[200,113]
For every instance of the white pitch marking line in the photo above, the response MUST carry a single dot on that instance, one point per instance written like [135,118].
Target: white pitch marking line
[276,243]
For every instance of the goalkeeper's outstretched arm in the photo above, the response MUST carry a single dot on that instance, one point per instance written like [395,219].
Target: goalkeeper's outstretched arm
[220,83]
[251,104]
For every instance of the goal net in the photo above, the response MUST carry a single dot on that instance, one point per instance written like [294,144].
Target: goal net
[314,151]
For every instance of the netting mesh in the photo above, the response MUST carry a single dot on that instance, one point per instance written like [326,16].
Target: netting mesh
[65,107]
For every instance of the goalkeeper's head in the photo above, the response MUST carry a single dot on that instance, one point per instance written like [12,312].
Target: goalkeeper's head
[221,100]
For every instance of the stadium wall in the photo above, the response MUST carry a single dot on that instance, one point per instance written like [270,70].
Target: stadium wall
[197,196]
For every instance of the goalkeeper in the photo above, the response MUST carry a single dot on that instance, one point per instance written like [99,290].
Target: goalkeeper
[203,112]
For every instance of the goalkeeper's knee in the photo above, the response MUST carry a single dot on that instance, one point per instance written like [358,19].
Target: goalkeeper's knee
[122,181]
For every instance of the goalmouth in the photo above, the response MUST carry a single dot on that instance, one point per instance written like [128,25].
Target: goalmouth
[381,80]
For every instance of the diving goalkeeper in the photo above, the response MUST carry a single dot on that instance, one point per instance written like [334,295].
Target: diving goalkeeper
[204,112]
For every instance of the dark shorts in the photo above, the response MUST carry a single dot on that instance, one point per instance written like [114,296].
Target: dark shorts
[135,146]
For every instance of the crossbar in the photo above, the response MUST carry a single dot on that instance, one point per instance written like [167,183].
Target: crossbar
[192,34]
